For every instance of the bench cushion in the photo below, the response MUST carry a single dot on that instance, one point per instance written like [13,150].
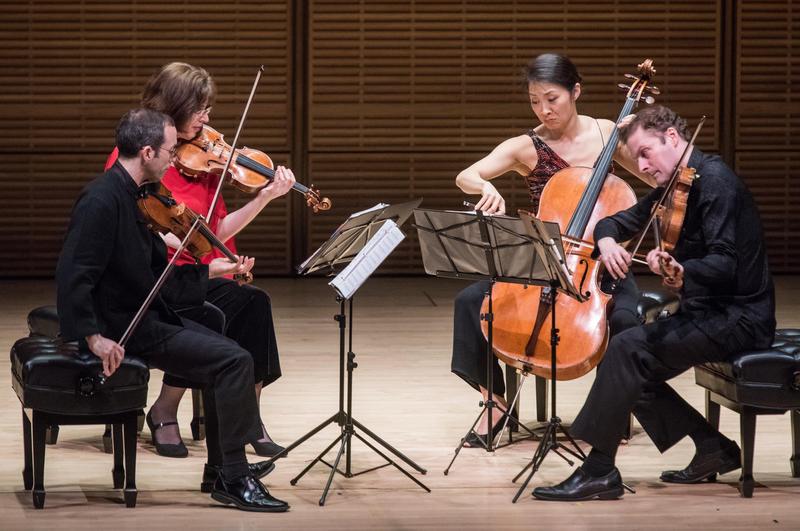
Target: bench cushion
[57,377]
[763,378]
[43,321]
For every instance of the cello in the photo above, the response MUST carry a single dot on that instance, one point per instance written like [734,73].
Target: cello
[575,198]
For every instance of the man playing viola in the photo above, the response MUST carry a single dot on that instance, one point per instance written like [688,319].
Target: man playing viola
[109,263]
[719,267]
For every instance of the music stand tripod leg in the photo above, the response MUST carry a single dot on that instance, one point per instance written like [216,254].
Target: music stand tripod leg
[388,447]
[489,404]
[345,437]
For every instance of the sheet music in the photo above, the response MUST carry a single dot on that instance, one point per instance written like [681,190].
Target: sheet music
[323,249]
[368,259]
[370,209]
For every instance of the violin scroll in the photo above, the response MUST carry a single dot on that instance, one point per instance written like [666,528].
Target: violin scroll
[315,201]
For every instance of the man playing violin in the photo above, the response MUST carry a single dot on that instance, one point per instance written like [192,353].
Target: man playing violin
[109,263]
[719,267]
[185,93]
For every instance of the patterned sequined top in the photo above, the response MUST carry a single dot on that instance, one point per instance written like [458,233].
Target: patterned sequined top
[547,165]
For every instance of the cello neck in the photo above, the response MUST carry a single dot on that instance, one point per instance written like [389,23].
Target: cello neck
[583,212]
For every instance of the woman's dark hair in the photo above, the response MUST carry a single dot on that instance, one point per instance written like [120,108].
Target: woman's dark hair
[139,128]
[553,68]
[656,118]
[179,90]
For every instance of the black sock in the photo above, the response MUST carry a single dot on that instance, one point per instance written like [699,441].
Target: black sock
[598,464]
[234,465]
[707,439]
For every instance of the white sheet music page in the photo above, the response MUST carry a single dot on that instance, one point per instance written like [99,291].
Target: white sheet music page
[368,259]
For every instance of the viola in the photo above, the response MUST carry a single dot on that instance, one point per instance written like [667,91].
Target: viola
[164,214]
[250,170]
[669,211]
[576,198]
[669,215]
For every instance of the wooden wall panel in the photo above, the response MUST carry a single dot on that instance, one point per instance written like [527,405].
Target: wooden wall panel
[378,100]
[69,70]
[768,120]
[395,81]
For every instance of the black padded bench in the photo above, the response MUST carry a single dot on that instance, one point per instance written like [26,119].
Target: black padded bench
[60,383]
[761,382]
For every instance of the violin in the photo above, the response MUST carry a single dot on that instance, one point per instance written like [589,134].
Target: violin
[250,170]
[164,214]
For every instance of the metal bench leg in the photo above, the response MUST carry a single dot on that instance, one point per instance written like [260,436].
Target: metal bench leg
[52,434]
[108,443]
[27,472]
[198,423]
[118,472]
[512,384]
[129,434]
[747,421]
[541,398]
[712,411]
[39,434]
[795,416]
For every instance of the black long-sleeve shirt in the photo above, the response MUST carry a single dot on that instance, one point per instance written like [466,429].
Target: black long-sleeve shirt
[726,279]
[109,263]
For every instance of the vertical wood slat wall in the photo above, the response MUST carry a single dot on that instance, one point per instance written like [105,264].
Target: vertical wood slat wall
[376,100]
[70,69]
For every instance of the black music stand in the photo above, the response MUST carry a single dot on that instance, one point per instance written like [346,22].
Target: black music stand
[342,247]
[473,246]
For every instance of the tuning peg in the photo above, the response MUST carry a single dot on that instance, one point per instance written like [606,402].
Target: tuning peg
[623,86]
[652,89]
[649,100]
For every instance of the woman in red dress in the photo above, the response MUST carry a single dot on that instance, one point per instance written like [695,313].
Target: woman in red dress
[186,93]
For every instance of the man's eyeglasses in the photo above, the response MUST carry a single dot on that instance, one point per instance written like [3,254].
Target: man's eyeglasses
[172,152]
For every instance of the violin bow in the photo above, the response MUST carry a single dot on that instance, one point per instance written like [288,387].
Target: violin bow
[235,141]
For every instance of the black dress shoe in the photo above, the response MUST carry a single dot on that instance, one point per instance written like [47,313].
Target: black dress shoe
[210,473]
[580,486]
[166,450]
[247,494]
[706,466]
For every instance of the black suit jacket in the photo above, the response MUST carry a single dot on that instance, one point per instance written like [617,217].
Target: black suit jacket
[727,286]
[109,263]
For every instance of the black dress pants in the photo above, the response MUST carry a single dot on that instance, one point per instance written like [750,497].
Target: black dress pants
[632,377]
[248,321]
[224,369]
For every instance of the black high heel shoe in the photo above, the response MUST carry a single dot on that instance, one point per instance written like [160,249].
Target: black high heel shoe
[475,440]
[268,448]
[165,450]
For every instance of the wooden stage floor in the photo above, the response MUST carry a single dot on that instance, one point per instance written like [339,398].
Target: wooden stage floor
[404,392]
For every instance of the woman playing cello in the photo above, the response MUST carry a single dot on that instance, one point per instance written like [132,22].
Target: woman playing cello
[564,138]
